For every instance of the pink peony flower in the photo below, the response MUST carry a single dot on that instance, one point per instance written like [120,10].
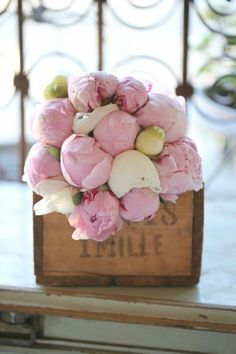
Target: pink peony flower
[53,122]
[42,171]
[89,91]
[139,204]
[130,95]
[97,217]
[83,163]
[116,132]
[179,167]
[165,112]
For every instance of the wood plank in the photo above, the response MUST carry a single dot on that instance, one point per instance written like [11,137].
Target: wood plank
[157,251]
[198,222]
[139,311]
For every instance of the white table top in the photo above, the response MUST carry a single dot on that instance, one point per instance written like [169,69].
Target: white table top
[210,305]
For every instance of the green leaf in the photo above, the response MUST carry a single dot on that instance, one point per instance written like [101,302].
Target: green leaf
[104,187]
[54,152]
[231,41]
[162,201]
[77,198]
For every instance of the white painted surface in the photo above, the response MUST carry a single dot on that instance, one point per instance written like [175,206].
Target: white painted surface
[90,350]
[139,336]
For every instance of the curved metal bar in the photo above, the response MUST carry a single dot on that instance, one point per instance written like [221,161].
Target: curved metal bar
[5,8]
[213,94]
[209,118]
[59,54]
[156,24]
[38,15]
[209,27]
[223,77]
[156,3]
[217,12]
[55,10]
[10,99]
[48,55]
[147,57]
[13,94]
[203,113]
[223,56]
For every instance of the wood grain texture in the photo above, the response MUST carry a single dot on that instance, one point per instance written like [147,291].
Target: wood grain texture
[136,311]
[38,240]
[198,222]
[162,251]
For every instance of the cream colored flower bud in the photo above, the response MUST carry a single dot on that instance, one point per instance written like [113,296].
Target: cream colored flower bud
[150,141]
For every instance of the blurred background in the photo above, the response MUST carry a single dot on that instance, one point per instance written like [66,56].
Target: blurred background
[185,46]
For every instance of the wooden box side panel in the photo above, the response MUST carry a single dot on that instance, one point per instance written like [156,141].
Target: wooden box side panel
[198,222]
[159,251]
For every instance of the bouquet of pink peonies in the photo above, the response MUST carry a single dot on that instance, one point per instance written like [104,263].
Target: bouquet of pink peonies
[109,150]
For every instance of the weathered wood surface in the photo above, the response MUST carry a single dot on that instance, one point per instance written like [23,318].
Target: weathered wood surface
[209,305]
[164,250]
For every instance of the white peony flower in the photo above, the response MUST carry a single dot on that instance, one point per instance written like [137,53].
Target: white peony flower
[61,202]
[131,169]
[49,187]
[84,123]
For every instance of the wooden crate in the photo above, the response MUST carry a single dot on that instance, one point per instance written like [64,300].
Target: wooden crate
[163,251]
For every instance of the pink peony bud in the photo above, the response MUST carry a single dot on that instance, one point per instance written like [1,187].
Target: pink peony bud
[53,122]
[139,204]
[116,132]
[89,91]
[179,167]
[165,112]
[42,171]
[130,95]
[83,163]
[97,217]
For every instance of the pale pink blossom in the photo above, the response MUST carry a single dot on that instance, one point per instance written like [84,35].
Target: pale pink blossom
[130,95]
[179,167]
[42,171]
[91,90]
[116,132]
[83,163]
[139,204]
[165,112]
[97,217]
[52,124]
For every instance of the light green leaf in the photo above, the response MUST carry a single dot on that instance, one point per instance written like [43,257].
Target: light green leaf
[104,188]
[54,152]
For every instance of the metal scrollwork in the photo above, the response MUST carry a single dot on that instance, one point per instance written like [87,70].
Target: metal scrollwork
[50,64]
[7,73]
[215,92]
[140,4]
[223,91]
[60,13]
[218,16]
[142,14]
[215,83]
[4,6]
[157,73]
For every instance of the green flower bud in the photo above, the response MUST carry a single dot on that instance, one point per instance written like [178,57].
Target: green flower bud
[57,88]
